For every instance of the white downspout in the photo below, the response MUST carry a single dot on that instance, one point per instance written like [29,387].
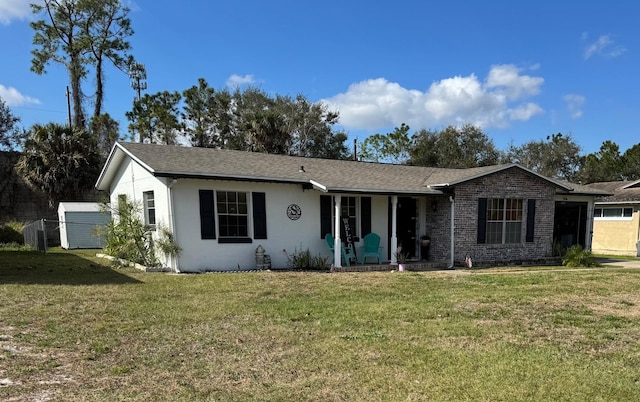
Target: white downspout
[337,242]
[172,223]
[394,224]
[453,226]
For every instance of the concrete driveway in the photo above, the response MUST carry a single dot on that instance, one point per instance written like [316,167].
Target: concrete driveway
[619,263]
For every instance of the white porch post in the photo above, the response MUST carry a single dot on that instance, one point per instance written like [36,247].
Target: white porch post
[337,242]
[588,236]
[394,237]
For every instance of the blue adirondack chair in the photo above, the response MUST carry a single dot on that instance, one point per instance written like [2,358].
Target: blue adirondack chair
[346,252]
[371,248]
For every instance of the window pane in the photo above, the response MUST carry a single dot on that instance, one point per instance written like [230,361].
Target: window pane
[233,214]
[612,212]
[222,207]
[513,232]
[149,208]
[494,232]
[243,226]
[597,213]
[504,220]
[627,213]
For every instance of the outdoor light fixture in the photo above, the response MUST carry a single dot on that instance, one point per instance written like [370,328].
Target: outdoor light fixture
[434,206]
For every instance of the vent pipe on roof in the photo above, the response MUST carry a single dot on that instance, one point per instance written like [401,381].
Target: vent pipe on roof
[355,149]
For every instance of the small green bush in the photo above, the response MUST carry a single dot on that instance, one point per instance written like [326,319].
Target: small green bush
[576,256]
[304,260]
[11,232]
[128,238]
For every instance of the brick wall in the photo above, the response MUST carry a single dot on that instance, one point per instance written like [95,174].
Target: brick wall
[512,183]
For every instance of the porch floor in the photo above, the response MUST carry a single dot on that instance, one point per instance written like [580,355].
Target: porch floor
[408,266]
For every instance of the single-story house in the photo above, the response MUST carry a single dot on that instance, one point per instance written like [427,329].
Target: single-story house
[616,226]
[221,205]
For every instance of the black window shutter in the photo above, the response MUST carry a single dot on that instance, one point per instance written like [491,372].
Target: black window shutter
[482,220]
[259,216]
[325,215]
[531,219]
[365,215]
[207,215]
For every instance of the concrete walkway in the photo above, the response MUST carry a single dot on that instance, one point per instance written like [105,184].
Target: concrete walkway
[611,262]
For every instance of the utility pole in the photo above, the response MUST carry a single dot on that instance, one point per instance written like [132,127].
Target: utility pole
[138,76]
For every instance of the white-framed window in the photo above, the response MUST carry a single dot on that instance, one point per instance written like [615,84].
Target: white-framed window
[233,214]
[613,213]
[504,220]
[149,204]
[349,210]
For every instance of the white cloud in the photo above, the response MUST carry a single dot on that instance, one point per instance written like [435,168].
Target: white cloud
[574,104]
[14,9]
[239,80]
[603,46]
[12,97]
[496,102]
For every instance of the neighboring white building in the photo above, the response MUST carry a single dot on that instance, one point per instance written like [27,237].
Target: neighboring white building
[221,205]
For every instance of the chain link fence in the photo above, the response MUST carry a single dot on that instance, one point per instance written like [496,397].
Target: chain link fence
[35,235]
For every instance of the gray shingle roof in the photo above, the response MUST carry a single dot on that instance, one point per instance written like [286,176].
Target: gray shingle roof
[619,191]
[328,174]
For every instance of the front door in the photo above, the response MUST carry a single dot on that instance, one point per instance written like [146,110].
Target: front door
[570,223]
[407,219]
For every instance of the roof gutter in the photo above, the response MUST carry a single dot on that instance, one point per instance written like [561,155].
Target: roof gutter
[318,186]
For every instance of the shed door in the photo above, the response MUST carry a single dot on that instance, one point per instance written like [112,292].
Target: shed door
[81,226]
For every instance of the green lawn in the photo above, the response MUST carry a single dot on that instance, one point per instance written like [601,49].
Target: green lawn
[74,329]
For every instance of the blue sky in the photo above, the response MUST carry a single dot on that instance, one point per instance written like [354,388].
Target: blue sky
[520,70]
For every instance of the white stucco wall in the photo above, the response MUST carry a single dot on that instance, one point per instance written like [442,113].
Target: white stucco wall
[200,255]
[132,180]
[282,233]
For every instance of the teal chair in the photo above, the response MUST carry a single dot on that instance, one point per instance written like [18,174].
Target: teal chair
[371,248]
[346,251]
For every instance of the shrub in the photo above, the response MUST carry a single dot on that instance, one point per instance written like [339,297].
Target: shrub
[11,232]
[304,260]
[576,256]
[128,238]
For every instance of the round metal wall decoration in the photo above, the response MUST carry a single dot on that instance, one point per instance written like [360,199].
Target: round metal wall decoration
[294,212]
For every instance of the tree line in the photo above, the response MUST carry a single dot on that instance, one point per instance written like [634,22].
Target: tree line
[558,156]
[248,119]
[85,36]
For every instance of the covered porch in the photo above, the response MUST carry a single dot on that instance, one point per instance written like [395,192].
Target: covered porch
[418,231]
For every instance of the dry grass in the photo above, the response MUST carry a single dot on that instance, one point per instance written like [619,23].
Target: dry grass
[73,329]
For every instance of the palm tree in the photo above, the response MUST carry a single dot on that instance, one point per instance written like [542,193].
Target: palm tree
[60,161]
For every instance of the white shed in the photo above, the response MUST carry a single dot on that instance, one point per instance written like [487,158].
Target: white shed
[78,222]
